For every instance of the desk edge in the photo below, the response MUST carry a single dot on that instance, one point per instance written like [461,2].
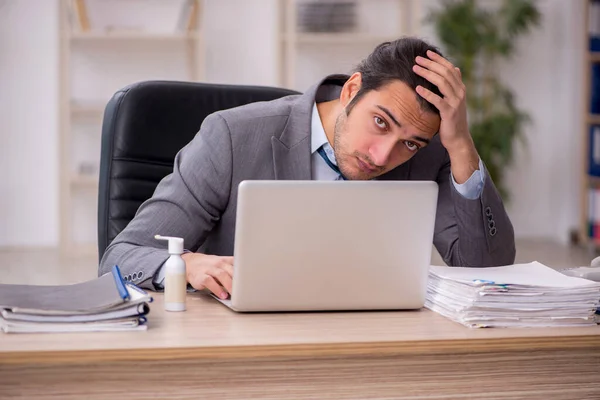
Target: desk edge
[223,353]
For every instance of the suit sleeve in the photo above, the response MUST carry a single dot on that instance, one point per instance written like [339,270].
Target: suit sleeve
[472,232]
[187,203]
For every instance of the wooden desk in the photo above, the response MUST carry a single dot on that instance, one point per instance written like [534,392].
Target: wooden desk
[211,352]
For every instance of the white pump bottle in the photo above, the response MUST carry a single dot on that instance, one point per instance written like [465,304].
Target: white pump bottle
[175,279]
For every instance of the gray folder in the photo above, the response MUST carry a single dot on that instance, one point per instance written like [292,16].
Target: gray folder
[91,296]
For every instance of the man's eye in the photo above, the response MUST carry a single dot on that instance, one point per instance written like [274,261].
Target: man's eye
[412,146]
[380,122]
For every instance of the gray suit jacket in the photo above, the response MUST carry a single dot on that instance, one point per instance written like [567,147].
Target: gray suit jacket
[271,140]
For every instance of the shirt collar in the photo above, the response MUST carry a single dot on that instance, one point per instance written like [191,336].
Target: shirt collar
[318,137]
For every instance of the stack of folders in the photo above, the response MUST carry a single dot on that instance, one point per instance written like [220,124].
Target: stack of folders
[521,295]
[107,303]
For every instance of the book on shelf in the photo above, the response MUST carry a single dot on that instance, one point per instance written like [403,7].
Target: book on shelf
[593,219]
[594,26]
[595,88]
[594,46]
[594,150]
[593,201]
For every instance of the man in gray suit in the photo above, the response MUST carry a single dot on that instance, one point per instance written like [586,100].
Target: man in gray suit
[401,116]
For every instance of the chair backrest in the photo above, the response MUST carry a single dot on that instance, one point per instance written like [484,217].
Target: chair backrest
[144,126]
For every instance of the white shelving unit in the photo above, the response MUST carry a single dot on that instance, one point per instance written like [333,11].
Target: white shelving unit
[307,56]
[111,59]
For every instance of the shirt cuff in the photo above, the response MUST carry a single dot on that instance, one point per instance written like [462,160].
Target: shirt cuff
[159,277]
[473,187]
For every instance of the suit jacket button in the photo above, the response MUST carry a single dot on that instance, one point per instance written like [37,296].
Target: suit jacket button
[491,224]
[488,211]
[493,231]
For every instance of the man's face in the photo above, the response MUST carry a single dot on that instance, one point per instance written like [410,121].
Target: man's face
[384,129]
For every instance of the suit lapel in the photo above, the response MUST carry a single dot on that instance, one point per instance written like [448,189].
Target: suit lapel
[291,163]
[291,150]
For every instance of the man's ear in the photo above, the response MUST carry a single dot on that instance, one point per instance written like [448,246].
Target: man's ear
[350,89]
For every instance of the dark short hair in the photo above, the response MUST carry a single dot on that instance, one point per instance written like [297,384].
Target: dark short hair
[394,61]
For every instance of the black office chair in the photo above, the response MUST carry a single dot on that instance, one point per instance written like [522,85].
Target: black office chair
[144,126]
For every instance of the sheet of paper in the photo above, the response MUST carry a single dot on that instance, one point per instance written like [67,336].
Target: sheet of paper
[532,274]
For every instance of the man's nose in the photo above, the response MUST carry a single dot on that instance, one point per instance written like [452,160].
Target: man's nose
[381,152]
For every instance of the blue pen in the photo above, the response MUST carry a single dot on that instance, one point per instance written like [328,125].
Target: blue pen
[116,272]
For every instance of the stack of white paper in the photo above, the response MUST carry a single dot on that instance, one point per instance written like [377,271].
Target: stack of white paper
[521,295]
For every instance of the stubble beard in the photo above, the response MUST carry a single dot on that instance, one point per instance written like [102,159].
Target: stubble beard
[341,155]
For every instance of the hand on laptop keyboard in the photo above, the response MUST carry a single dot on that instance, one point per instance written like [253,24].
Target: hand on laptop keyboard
[214,273]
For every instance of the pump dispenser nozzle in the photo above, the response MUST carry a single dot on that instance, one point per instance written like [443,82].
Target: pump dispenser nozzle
[175,243]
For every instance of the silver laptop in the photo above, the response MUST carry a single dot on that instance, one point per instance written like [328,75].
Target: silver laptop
[343,245]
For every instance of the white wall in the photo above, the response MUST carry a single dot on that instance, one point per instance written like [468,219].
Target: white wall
[28,123]
[242,48]
[241,45]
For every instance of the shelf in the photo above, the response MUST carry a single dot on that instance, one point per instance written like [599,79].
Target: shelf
[339,38]
[594,57]
[97,36]
[84,250]
[89,108]
[84,181]
[594,119]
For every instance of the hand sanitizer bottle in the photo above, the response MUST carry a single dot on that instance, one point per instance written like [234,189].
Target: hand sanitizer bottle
[175,280]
